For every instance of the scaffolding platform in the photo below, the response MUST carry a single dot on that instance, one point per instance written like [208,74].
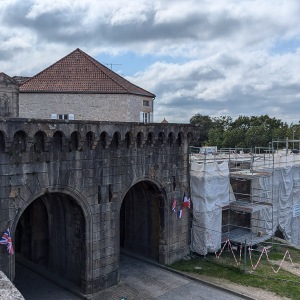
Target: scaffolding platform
[239,236]
[248,207]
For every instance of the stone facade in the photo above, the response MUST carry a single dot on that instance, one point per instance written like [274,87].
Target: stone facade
[74,192]
[9,97]
[96,107]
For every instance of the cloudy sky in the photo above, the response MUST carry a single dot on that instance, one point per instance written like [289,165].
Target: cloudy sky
[213,57]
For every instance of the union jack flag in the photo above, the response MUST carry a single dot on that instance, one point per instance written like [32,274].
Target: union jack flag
[174,205]
[6,240]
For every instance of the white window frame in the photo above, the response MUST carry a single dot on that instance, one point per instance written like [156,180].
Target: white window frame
[62,117]
[146,117]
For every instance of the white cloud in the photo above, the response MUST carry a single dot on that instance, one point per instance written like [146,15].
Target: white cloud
[211,57]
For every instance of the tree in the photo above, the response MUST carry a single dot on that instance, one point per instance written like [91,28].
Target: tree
[204,124]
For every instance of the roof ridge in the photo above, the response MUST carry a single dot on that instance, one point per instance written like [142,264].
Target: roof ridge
[48,67]
[95,62]
[66,75]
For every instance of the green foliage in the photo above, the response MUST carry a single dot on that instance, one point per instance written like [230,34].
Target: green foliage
[204,124]
[244,132]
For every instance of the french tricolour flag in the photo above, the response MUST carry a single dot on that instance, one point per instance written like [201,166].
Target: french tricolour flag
[186,201]
[180,213]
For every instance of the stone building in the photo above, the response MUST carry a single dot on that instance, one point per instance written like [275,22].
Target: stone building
[79,87]
[74,194]
[9,93]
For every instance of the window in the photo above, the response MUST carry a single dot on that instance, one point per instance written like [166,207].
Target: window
[62,117]
[146,103]
[146,117]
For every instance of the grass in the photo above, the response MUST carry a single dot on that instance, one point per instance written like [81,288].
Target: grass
[283,283]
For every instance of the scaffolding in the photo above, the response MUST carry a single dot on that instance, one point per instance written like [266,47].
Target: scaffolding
[256,179]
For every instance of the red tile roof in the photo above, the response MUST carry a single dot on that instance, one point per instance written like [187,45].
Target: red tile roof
[80,73]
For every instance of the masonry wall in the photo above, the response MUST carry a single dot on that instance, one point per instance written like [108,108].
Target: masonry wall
[9,97]
[94,164]
[97,107]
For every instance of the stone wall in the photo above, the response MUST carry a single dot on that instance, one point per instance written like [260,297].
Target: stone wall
[97,107]
[7,290]
[82,172]
[9,97]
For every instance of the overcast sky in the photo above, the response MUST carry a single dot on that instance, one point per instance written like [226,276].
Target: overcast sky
[214,57]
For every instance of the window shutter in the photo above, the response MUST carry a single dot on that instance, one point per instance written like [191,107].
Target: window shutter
[71,117]
[141,116]
[53,116]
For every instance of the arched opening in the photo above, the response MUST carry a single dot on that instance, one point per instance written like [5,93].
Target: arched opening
[150,139]
[74,141]
[2,142]
[89,140]
[128,139]
[171,138]
[161,138]
[180,139]
[103,140]
[50,234]
[19,141]
[139,140]
[39,141]
[57,141]
[142,220]
[116,139]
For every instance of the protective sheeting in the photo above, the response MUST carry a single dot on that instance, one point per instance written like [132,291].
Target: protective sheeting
[282,189]
[209,193]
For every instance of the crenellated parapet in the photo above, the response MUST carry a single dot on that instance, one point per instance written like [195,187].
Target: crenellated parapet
[88,188]
[28,135]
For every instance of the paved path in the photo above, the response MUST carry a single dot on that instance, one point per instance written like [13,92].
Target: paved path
[138,281]
[34,287]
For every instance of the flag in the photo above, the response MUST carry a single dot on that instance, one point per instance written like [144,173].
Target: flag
[174,205]
[6,240]
[180,213]
[186,201]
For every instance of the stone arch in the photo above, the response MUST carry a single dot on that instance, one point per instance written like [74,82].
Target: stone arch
[171,139]
[150,139]
[139,139]
[58,137]
[180,139]
[20,141]
[89,140]
[189,137]
[103,139]
[39,141]
[74,141]
[142,218]
[116,140]
[58,202]
[161,138]
[128,139]
[2,141]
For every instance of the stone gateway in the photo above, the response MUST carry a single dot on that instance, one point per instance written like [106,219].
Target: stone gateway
[74,193]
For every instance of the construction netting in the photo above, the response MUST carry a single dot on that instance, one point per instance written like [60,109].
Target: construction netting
[276,184]
[209,193]
[282,189]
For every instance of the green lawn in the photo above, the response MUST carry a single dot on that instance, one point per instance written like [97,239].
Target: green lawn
[283,283]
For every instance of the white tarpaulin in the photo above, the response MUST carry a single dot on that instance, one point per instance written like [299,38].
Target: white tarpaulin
[283,190]
[209,193]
